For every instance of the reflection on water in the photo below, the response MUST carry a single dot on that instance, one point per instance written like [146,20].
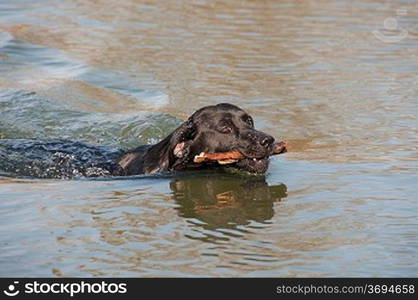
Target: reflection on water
[337,79]
[225,201]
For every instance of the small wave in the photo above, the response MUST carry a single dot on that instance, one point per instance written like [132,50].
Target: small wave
[126,84]
[27,115]
[34,65]
[5,38]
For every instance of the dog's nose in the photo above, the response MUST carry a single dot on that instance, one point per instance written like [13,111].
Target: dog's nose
[267,141]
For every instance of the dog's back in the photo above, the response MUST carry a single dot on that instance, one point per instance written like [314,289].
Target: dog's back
[57,159]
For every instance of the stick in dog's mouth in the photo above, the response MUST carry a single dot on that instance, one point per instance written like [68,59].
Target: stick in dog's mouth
[233,156]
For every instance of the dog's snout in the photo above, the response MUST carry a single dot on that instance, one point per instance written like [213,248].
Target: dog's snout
[266,141]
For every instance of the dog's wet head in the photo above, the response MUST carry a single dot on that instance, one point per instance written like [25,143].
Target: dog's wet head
[222,128]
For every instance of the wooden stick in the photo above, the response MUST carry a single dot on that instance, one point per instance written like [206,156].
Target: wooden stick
[233,155]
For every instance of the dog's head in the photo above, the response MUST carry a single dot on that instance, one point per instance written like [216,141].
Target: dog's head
[220,128]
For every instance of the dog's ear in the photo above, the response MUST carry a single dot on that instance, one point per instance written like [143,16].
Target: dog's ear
[182,137]
[172,152]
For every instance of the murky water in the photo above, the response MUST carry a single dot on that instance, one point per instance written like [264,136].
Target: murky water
[337,79]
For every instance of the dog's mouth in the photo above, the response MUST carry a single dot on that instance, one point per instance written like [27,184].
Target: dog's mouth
[238,160]
[260,165]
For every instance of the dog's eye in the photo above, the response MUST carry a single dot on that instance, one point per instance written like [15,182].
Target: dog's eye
[248,120]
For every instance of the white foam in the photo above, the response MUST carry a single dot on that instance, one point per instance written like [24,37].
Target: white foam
[5,38]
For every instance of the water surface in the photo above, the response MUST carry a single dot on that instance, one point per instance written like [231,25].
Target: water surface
[338,80]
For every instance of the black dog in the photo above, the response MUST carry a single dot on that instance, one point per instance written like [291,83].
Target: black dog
[212,129]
